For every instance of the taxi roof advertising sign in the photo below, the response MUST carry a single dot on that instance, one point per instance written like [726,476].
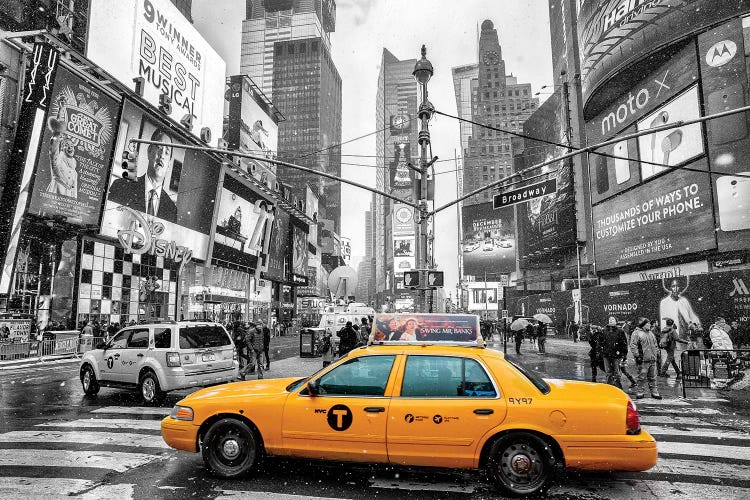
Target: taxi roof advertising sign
[426,328]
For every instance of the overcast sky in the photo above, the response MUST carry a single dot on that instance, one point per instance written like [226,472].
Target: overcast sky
[449,28]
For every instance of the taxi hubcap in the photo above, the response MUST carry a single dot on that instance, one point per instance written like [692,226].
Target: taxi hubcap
[521,464]
[230,448]
[86,379]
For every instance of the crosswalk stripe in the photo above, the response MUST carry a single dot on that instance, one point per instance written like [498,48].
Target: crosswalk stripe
[97,438]
[40,487]
[112,460]
[668,419]
[106,423]
[662,402]
[694,432]
[680,411]
[397,484]
[234,494]
[121,491]
[704,450]
[135,410]
[613,489]
[700,468]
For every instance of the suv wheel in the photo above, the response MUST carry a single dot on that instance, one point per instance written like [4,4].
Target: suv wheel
[230,448]
[520,464]
[149,388]
[88,381]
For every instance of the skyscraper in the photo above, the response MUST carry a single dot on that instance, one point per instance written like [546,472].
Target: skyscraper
[286,51]
[396,145]
[497,99]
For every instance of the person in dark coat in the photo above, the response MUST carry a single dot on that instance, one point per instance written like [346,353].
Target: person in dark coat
[254,341]
[595,354]
[614,346]
[348,339]
[541,337]
[266,342]
[518,337]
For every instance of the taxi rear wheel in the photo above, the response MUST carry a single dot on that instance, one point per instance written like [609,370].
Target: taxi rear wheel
[88,381]
[230,448]
[520,464]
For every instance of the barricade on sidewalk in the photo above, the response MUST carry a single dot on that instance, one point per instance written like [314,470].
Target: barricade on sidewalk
[64,343]
[713,368]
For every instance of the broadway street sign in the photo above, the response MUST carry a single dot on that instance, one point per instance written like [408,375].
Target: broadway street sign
[526,193]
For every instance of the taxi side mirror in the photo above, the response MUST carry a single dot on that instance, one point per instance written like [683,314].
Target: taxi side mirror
[312,387]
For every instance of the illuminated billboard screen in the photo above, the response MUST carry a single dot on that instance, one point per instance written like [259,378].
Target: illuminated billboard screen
[668,216]
[173,187]
[76,151]
[152,41]
[489,240]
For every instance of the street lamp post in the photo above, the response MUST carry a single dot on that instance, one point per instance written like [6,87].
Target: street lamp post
[422,73]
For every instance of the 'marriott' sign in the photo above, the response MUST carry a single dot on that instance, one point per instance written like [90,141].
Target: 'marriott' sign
[524,194]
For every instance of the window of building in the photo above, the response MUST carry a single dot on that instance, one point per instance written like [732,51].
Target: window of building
[291,49]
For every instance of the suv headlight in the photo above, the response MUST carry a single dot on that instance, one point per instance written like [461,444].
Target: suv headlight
[173,359]
[181,413]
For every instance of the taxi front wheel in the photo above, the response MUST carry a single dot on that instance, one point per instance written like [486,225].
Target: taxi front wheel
[520,464]
[230,448]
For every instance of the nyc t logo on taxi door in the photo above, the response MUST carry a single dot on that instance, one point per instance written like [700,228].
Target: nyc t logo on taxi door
[339,417]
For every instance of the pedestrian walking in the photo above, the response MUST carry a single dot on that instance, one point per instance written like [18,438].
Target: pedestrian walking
[364,331]
[266,342]
[668,342]
[518,337]
[655,329]
[719,333]
[541,337]
[595,354]
[530,333]
[614,346]
[644,348]
[348,339]
[254,342]
[88,330]
[695,335]
[238,333]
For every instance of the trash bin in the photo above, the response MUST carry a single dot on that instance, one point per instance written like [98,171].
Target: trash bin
[307,338]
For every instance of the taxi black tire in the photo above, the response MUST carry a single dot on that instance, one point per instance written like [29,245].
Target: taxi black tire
[88,381]
[526,447]
[149,388]
[230,448]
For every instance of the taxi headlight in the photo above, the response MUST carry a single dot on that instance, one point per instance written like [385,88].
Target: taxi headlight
[181,413]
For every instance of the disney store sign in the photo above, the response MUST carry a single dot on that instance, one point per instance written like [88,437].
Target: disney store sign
[142,236]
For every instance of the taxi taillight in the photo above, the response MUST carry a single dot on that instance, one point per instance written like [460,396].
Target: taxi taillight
[173,359]
[235,357]
[632,419]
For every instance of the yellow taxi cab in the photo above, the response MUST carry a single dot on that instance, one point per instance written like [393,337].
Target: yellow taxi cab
[418,403]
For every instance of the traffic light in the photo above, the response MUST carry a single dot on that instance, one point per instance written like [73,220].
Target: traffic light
[129,166]
[411,279]
[435,279]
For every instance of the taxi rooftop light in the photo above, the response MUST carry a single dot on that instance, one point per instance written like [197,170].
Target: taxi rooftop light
[424,343]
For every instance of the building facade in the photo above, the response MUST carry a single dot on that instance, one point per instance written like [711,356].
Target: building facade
[396,146]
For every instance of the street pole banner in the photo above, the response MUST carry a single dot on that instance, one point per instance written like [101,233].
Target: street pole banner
[426,327]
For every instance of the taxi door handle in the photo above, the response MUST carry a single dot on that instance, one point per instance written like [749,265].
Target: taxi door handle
[374,409]
[484,411]
[139,355]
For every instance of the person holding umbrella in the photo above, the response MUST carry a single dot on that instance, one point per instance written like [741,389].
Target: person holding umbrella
[541,331]
[518,326]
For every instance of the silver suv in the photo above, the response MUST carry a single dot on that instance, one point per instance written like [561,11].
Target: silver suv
[160,357]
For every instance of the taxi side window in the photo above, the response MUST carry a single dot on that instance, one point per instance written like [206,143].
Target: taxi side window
[139,339]
[120,340]
[162,338]
[445,377]
[360,376]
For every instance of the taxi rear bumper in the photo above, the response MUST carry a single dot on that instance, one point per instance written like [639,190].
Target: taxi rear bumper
[625,453]
[180,434]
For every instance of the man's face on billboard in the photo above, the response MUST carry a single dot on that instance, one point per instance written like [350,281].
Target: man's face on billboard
[675,289]
[159,159]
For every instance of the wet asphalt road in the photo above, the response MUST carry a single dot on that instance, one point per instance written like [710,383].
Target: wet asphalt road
[56,442]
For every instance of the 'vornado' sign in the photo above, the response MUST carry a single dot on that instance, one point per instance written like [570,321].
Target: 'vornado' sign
[616,33]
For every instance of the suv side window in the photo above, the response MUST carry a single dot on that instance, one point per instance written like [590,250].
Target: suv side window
[361,376]
[445,377]
[120,340]
[162,338]
[139,339]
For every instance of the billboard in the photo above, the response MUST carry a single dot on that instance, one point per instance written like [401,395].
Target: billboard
[152,41]
[548,221]
[402,177]
[614,34]
[253,122]
[75,153]
[669,216]
[489,240]
[276,268]
[299,252]
[403,220]
[173,187]
[243,220]
[426,327]
[404,256]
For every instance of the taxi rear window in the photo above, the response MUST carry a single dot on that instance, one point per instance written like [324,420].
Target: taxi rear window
[202,336]
[535,379]
[445,377]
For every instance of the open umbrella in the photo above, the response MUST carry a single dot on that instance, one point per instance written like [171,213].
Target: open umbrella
[543,318]
[519,324]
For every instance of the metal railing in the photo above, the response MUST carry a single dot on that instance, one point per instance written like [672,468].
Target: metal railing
[64,344]
[713,368]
